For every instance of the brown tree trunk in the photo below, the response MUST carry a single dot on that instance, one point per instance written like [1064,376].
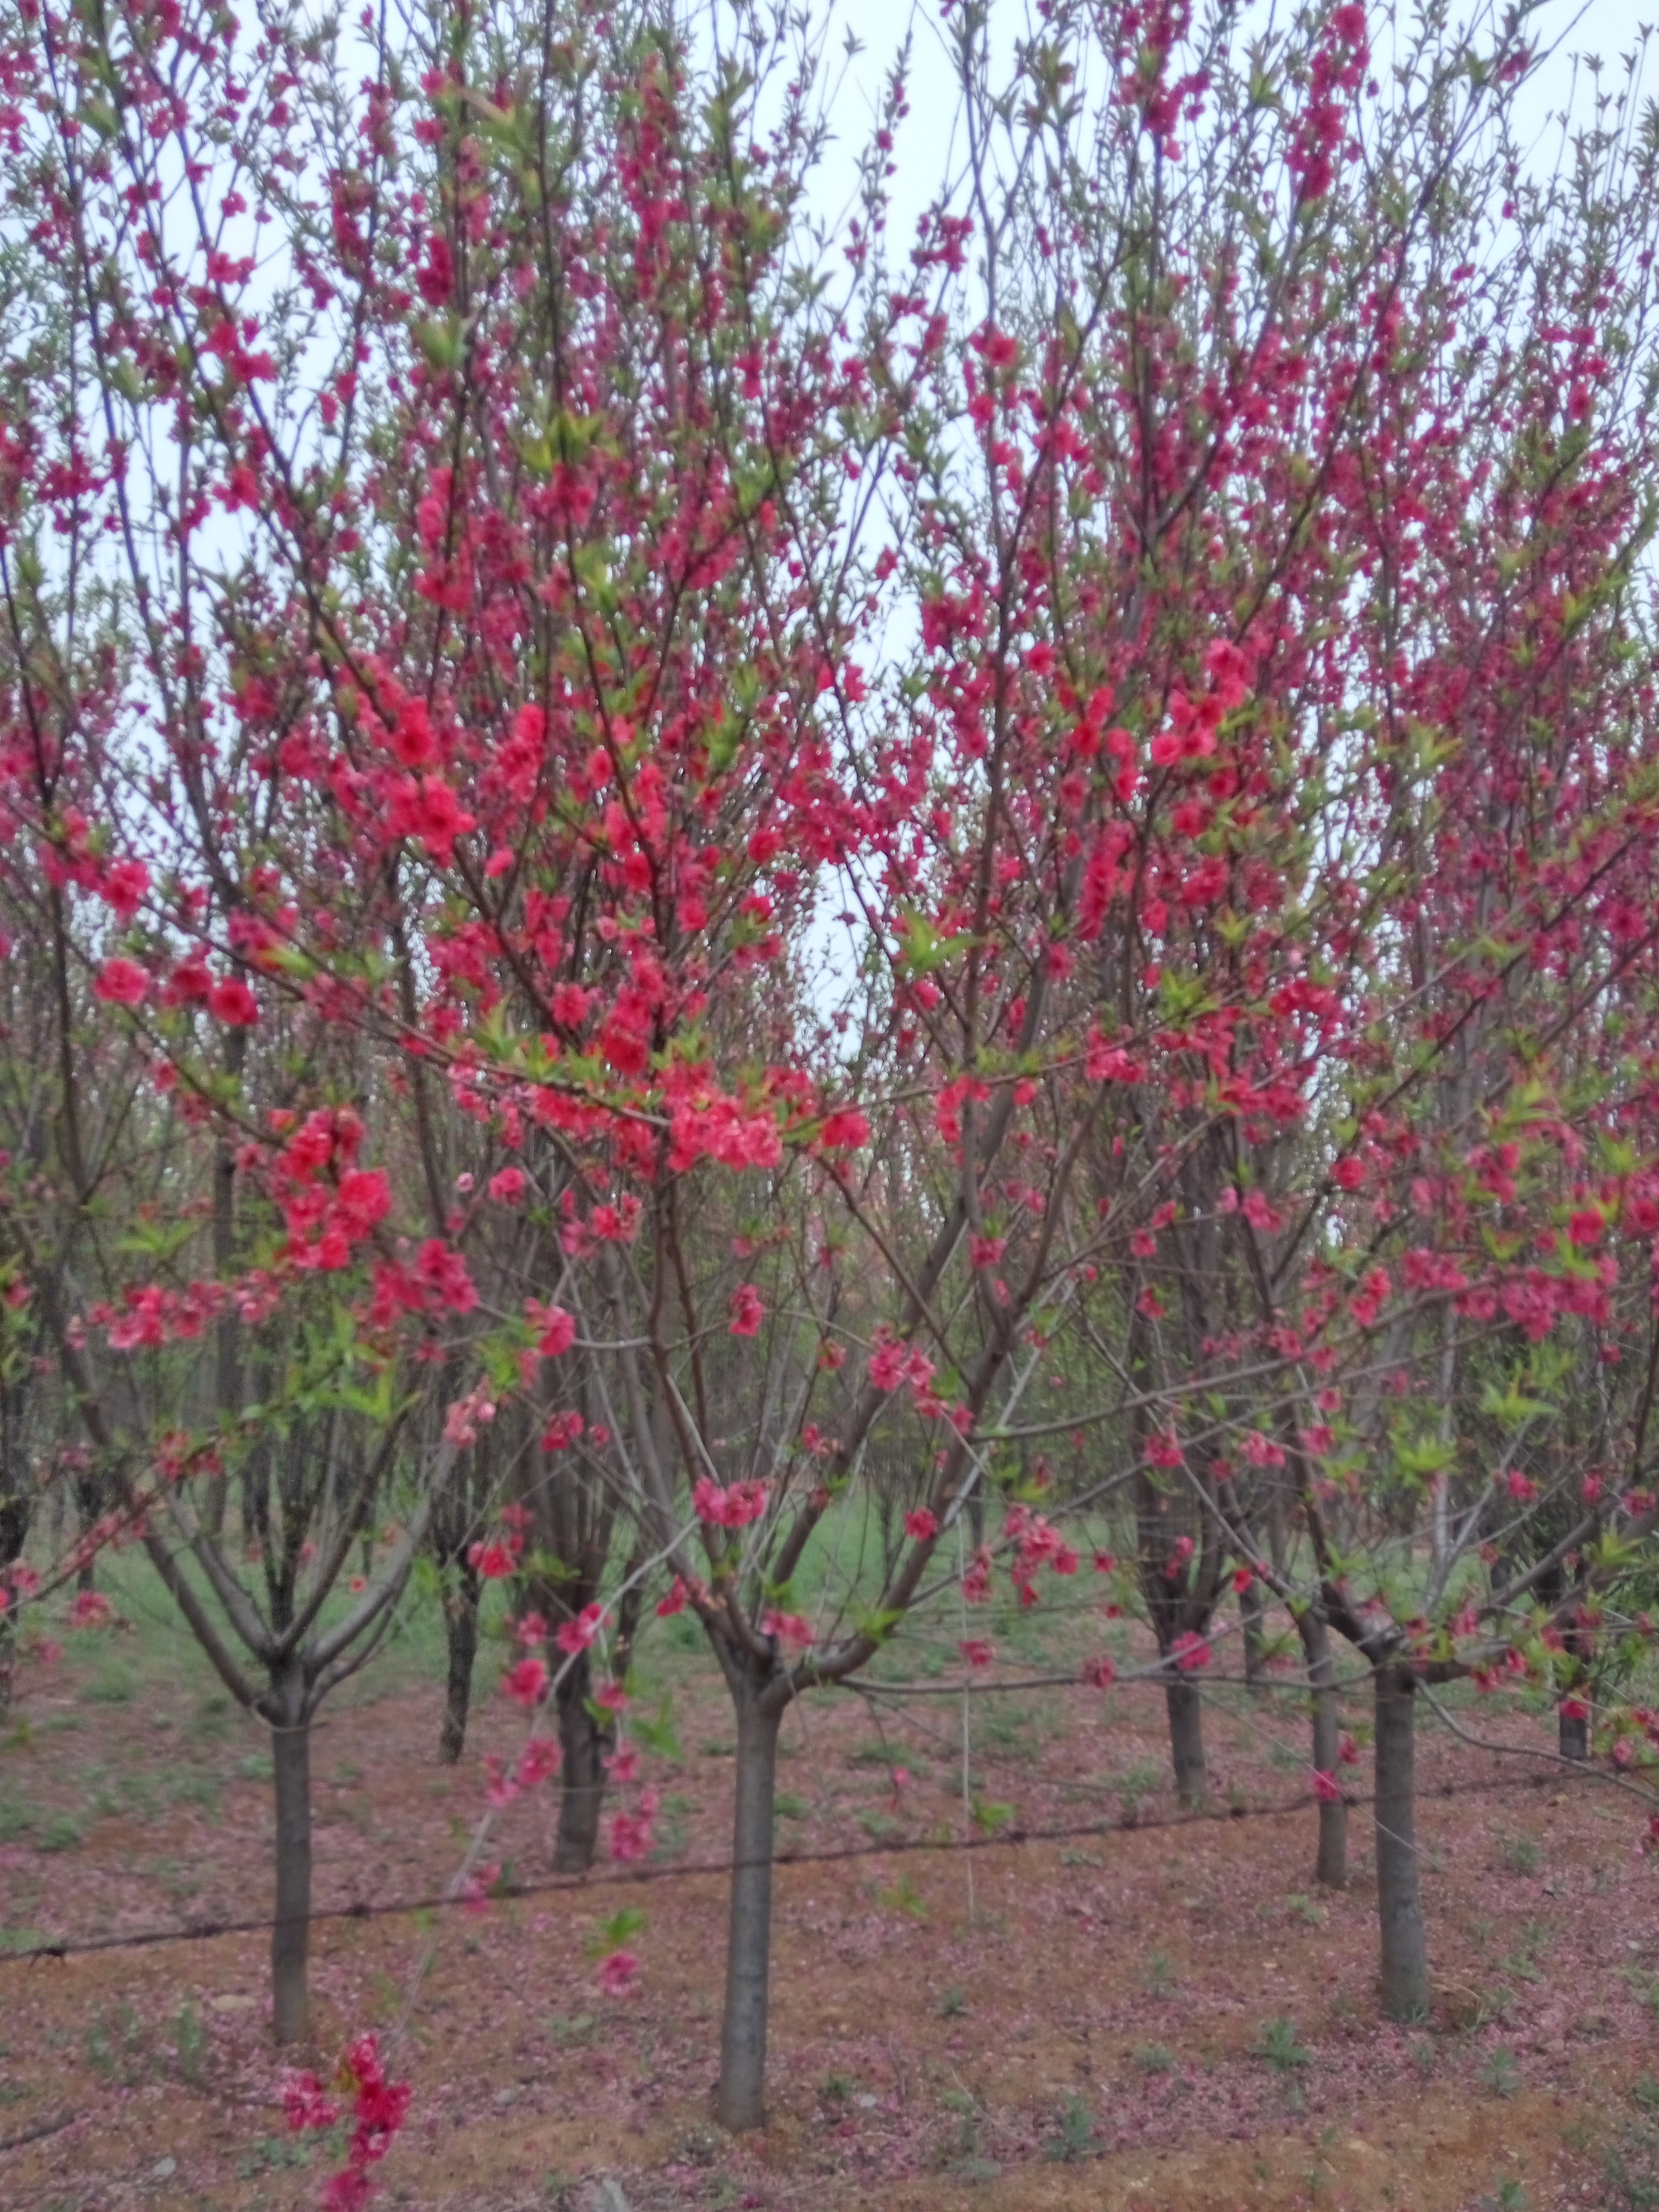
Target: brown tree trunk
[741,2103]
[586,1744]
[1253,1614]
[461,1630]
[1184,1702]
[291,1934]
[1331,1865]
[1399,1901]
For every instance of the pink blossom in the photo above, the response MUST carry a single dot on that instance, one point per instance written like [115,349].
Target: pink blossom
[732,1508]
[1326,1788]
[887,1364]
[1190,1652]
[788,1628]
[632,1834]
[922,1524]
[501,1788]
[576,1635]
[558,1333]
[230,1001]
[526,1683]
[538,1761]
[306,2102]
[125,887]
[619,1976]
[121,983]
[747,1311]
[845,1131]
[508,1187]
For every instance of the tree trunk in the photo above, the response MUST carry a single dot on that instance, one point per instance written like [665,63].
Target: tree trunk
[1186,1708]
[1252,1612]
[89,1502]
[14,1532]
[585,1745]
[741,2100]
[1399,1904]
[1331,1867]
[291,1934]
[461,1628]
[1572,1737]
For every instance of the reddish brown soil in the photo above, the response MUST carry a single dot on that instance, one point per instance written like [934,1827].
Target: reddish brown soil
[1040,2024]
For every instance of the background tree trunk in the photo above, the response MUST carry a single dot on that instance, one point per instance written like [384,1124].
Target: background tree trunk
[741,2100]
[1185,1703]
[89,1504]
[290,1937]
[14,1533]
[1399,1903]
[1252,1612]
[586,1744]
[1331,1867]
[1572,1739]
[461,1629]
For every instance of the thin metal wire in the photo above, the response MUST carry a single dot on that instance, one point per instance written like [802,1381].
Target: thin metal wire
[1014,1835]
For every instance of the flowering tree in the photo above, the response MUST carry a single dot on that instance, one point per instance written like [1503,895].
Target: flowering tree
[1488,1144]
[689,868]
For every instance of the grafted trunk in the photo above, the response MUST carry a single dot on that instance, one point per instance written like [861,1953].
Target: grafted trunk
[741,2103]
[1399,1901]
[461,1629]
[1185,1703]
[291,1934]
[585,1744]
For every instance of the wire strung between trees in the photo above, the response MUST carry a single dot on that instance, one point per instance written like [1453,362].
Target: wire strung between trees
[1011,1835]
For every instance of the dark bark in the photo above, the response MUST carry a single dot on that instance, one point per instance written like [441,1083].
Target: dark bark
[1185,1703]
[1331,1865]
[13,1531]
[1252,1612]
[1399,1902]
[89,1504]
[1572,1732]
[586,1744]
[741,2103]
[461,1629]
[291,1934]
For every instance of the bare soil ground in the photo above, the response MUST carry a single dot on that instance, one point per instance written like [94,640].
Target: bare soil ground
[1165,2017]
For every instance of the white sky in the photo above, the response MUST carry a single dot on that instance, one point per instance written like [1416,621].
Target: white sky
[1604,28]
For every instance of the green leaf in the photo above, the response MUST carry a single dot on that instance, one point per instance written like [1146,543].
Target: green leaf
[619,1929]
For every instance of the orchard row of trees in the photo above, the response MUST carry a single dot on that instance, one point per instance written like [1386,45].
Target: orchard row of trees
[670,865]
